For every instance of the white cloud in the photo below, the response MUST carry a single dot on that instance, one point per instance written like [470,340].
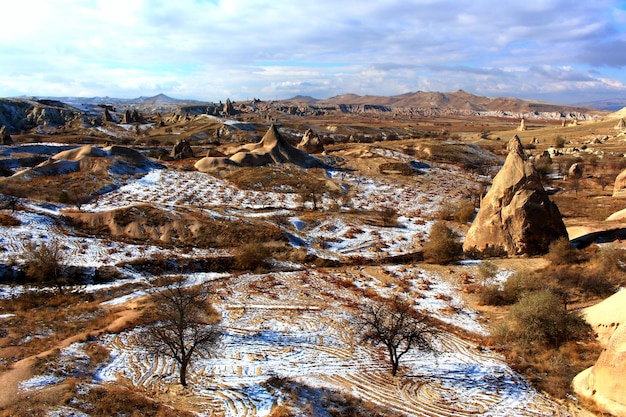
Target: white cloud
[208,49]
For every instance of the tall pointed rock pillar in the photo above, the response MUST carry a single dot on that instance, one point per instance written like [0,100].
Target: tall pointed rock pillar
[516,216]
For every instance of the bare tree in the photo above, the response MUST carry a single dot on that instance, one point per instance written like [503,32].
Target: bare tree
[184,322]
[397,326]
[603,181]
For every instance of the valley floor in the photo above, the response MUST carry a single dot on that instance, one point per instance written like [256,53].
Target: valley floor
[288,337]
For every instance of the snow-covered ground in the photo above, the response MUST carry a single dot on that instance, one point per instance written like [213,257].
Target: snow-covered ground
[296,324]
[314,345]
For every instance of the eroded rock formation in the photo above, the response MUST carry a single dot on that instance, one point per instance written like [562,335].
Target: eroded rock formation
[5,137]
[132,117]
[311,142]
[516,216]
[106,116]
[182,149]
[575,171]
[272,149]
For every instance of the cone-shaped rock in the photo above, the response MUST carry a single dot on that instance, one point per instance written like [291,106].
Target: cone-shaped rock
[516,216]
[311,143]
[272,149]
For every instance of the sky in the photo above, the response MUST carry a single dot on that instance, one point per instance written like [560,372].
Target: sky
[557,51]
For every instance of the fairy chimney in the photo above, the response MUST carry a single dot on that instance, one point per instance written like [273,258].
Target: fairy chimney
[5,137]
[516,216]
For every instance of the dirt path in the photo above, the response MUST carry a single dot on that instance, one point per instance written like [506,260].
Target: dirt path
[21,370]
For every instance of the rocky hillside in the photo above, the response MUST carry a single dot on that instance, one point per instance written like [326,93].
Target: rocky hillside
[425,103]
[46,115]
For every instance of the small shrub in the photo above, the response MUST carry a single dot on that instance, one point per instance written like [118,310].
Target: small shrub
[510,291]
[443,245]
[44,263]
[591,281]
[518,284]
[559,142]
[487,270]
[490,294]
[252,257]
[462,213]
[465,212]
[543,168]
[446,212]
[389,217]
[561,252]
[540,317]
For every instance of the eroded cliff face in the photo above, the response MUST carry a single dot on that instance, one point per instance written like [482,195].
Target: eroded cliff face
[23,114]
[516,216]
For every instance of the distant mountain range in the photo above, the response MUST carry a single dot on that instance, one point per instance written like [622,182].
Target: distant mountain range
[159,99]
[611,105]
[460,100]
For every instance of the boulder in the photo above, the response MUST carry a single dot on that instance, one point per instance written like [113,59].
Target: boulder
[522,125]
[5,137]
[311,143]
[621,125]
[182,149]
[516,216]
[575,171]
[543,158]
[604,382]
[619,187]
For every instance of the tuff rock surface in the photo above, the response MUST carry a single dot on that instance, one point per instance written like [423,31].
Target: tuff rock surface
[516,216]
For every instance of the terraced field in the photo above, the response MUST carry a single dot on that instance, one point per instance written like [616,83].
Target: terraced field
[294,331]
[294,327]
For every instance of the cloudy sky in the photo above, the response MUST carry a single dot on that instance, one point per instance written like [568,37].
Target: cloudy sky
[552,50]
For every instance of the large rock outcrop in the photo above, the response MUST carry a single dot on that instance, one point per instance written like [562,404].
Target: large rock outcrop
[516,216]
[132,117]
[117,160]
[272,149]
[604,382]
[181,150]
[311,142]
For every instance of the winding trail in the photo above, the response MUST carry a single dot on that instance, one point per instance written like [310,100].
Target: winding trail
[21,370]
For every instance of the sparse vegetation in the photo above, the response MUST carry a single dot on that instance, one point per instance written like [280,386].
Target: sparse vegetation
[308,214]
[443,245]
[540,317]
[45,264]
[252,257]
[183,323]
[561,252]
[397,326]
[462,212]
